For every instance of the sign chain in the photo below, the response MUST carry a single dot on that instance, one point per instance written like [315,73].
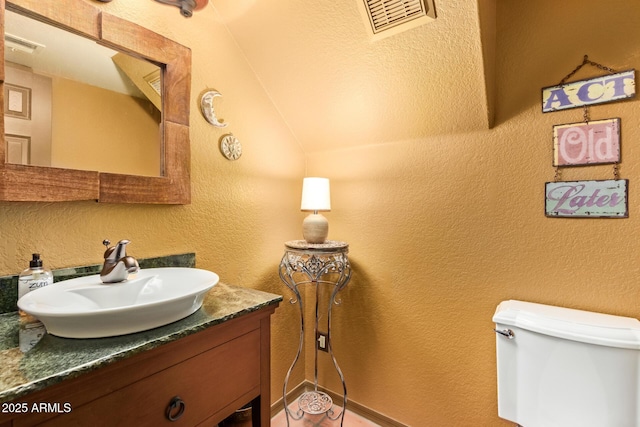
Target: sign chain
[586,61]
[585,114]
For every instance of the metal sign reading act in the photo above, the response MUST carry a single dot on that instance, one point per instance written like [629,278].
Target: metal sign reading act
[598,90]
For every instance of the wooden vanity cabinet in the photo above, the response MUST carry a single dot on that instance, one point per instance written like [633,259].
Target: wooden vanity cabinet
[207,375]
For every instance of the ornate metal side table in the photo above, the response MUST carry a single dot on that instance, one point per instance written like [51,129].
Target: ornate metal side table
[316,264]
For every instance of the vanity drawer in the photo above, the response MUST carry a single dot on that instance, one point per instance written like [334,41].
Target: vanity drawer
[207,384]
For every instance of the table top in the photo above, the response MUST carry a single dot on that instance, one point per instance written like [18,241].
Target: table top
[327,246]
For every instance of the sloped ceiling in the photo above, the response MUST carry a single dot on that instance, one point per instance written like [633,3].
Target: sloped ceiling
[335,87]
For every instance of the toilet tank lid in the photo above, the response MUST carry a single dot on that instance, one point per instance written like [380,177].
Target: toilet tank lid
[577,325]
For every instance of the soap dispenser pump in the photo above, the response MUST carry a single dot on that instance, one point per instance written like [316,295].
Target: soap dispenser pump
[34,277]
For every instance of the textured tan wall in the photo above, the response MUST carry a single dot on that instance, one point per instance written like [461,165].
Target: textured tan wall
[442,229]
[241,212]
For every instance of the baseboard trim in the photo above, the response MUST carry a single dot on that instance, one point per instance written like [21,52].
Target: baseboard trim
[291,396]
[355,407]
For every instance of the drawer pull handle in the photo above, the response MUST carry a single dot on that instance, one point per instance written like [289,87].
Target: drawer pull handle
[176,403]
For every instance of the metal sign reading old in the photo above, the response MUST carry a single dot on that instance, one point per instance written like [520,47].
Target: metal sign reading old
[587,199]
[586,143]
[597,90]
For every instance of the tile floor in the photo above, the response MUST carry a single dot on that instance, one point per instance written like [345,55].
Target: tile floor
[350,420]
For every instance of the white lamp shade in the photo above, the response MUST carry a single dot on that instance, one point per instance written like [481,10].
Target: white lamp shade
[316,195]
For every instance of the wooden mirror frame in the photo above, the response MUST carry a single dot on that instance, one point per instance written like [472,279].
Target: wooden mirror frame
[49,184]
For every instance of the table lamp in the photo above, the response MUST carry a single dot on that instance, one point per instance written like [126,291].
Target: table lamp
[315,197]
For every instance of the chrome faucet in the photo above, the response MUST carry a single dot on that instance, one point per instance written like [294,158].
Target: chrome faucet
[117,265]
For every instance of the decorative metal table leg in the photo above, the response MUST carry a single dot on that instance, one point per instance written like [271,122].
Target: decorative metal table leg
[286,276]
[345,276]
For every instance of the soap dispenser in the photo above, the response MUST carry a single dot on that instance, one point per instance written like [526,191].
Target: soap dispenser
[34,277]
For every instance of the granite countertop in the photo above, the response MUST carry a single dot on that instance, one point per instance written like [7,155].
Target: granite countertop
[32,359]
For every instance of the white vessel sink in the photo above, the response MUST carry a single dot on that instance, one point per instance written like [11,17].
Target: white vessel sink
[86,308]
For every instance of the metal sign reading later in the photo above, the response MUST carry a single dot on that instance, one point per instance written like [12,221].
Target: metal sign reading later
[587,199]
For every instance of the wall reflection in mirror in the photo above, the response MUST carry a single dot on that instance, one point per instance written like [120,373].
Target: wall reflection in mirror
[72,103]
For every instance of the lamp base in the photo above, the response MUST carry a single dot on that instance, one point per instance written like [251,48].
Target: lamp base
[315,228]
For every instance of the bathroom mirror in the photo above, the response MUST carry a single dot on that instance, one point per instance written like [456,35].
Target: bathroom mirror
[172,61]
[75,104]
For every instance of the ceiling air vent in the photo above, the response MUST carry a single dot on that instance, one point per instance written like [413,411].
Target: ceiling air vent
[16,43]
[387,17]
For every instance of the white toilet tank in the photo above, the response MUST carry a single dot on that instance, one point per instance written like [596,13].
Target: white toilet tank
[566,368]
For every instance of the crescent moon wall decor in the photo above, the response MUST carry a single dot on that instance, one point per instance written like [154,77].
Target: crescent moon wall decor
[206,106]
